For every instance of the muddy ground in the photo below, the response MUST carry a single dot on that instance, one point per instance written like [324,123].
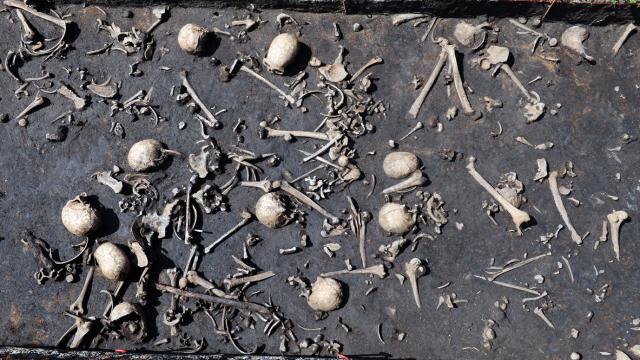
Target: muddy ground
[598,106]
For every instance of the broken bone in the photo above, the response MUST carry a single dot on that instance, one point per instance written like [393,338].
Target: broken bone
[625,34]
[212,121]
[106,178]
[35,104]
[288,98]
[291,134]
[233,282]
[573,39]
[377,270]
[417,178]
[375,61]
[194,278]
[417,104]
[246,218]
[615,220]
[79,103]
[553,185]
[413,268]
[79,306]
[518,216]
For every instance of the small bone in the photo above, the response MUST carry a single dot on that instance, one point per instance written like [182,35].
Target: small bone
[417,127]
[29,34]
[413,268]
[212,121]
[414,180]
[246,218]
[616,219]
[538,311]
[78,306]
[233,282]
[377,270]
[625,35]
[36,103]
[518,216]
[269,132]
[403,18]
[79,103]
[605,231]
[553,185]
[457,79]
[288,98]
[22,6]
[573,39]
[375,61]
[194,278]
[322,149]
[106,178]
[542,171]
[417,104]
[160,13]
[307,201]
[83,326]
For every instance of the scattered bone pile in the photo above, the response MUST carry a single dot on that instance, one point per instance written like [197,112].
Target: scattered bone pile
[352,111]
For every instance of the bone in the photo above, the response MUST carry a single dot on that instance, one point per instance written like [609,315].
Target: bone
[24,7]
[507,69]
[573,39]
[553,185]
[417,178]
[79,103]
[287,97]
[269,132]
[413,269]
[285,186]
[419,125]
[377,270]
[78,306]
[457,80]
[518,216]
[417,104]
[403,18]
[625,35]
[241,305]
[246,218]
[82,326]
[375,61]
[542,171]
[233,282]
[29,34]
[194,278]
[322,150]
[538,311]
[212,121]
[615,220]
[36,103]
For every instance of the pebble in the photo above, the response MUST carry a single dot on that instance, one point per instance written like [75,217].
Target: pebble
[575,356]
[23,122]
[357,27]
[182,125]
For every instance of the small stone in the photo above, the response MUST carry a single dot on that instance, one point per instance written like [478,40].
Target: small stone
[575,356]
[553,42]
[553,112]
[522,20]
[23,122]
[539,278]
[536,22]
[357,27]
[182,125]
[575,333]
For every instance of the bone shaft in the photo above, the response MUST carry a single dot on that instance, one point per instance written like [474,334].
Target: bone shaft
[627,31]
[298,133]
[516,81]
[289,99]
[417,104]
[43,16]
[242,305]
[553,184]
[321,151]
[457,80]
[249,279]
[375,61]
[226,235]
[414,289]
[195,98]
[307,201]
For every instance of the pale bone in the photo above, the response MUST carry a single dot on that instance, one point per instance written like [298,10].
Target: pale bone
[233,282]
[538,311]
[573,39]
[268,185]
[457,80]
[419,125]
[466,33]
[615,220]
[542,171]
[37,102]
[322,149]
[417,104]
[413,268]
[79,103]
[29,32]
[620,355]
[517,265]
[403,18]
[105,90]
[377,270]
[194,278]
[106,178]
[212,121]
[605,231]
[78,306]
[288,98]
[625,34]
[46,17]
[553,185]
[518,216]
[246,218]
[295,133]
[417,178]
[375,61]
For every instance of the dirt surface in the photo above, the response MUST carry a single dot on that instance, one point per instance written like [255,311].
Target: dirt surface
[598,105]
